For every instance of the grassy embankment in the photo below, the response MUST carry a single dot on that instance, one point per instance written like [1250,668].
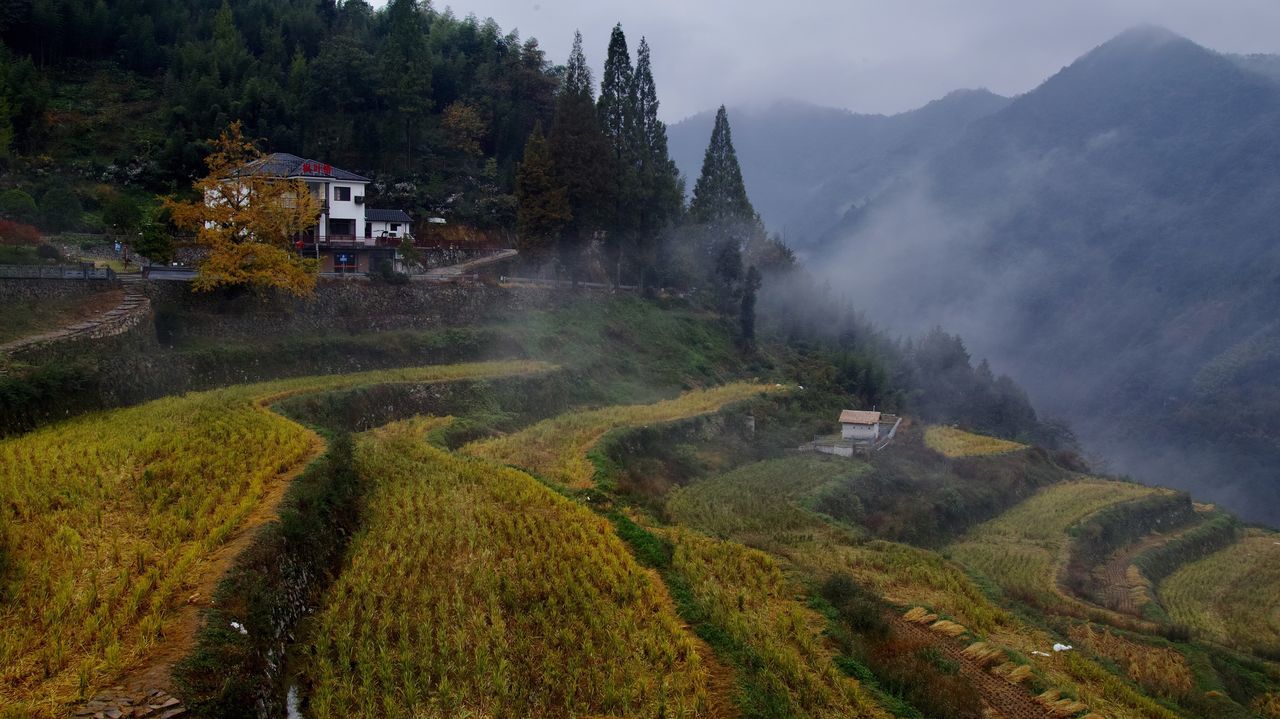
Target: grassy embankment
[108,518]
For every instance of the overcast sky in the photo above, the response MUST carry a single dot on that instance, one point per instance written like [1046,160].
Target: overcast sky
[864,55]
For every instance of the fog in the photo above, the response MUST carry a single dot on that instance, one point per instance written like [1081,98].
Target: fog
[868,56]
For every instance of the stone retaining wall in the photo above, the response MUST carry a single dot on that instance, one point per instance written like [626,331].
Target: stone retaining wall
[49,289]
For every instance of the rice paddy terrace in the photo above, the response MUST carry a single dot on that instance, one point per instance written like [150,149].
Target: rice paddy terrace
[513,575]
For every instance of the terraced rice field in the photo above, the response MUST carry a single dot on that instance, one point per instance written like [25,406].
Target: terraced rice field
[556,449]
[476,591]
[108,520]
[765,504]
[953,442]
[1232,596]
[746,595]
[1023,549]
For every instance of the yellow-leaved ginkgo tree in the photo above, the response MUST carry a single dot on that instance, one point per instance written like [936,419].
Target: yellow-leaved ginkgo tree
[247,219]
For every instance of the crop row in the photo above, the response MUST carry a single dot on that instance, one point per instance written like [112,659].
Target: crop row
[1233,595]
[953,442]
[108,519]
[1023,550]
[473,590]
[556,449]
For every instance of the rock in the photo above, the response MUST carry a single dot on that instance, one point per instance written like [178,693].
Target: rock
[173,713]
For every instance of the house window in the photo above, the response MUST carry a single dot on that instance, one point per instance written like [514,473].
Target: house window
[342,194]
[395,226]
[342,229]
[344,262]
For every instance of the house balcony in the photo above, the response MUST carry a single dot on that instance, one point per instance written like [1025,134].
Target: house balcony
[308,241]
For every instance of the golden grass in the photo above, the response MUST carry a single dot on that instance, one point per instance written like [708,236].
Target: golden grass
[1268,705]
[953,442]
[1023,549]
[746,594]
[1161,670]
[105,520]
[1231,596]
[948,627]
[556,449]
[473,590]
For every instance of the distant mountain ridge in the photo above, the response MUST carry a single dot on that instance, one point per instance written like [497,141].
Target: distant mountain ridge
[806,165]
[1109,238]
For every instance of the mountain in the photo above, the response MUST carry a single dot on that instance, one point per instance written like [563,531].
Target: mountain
[806,165]
[1109,238]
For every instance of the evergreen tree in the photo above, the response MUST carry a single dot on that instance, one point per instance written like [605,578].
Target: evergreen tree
[582,159]
[720,194]
[660,196]
[617,103]
[543,204]
[617,108]
[404,61]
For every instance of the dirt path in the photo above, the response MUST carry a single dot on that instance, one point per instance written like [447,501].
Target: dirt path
[1008,700]
[145,689]
[112,314]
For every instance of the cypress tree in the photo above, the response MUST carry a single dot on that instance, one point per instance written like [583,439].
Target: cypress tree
[543,207]
[617,102]
[580,154]
[720,194]
[661,192]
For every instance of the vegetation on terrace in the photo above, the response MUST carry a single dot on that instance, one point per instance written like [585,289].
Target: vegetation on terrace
[1023,550]
[107,518]
[556,449]
[475,589]
[953,442]
[1233,595]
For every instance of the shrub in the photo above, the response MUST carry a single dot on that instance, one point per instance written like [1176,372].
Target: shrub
[17,233]
[47,251]
[60,209]
[18,205]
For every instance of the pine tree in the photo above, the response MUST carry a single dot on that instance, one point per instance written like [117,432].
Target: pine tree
[720,194]
[660,190]
[543,204]
[582,159]
[617,96]
[617,108]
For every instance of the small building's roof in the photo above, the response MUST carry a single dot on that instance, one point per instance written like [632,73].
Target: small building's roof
[282,164]
[375,215]
[859,416]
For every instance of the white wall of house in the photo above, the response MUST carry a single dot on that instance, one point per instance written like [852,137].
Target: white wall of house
[388,229]
[859,431]
[344,209]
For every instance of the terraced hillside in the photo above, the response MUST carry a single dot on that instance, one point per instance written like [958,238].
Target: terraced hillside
[556,449]
[1231,596]
[475,590]
[109,520]
[1025,550]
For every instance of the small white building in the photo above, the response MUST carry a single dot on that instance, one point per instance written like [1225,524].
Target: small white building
[386,224]
[862,425]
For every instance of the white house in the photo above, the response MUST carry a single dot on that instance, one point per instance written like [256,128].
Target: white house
[863,425]
[348,235]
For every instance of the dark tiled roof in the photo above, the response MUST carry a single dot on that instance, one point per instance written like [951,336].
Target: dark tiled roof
[282,164]
[374,215]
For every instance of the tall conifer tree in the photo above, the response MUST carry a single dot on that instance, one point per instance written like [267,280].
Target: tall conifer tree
[661,193]
[720,194]
[582,159]
[543,207]
[618,118]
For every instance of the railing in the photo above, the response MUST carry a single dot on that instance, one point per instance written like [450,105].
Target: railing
[56,272]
